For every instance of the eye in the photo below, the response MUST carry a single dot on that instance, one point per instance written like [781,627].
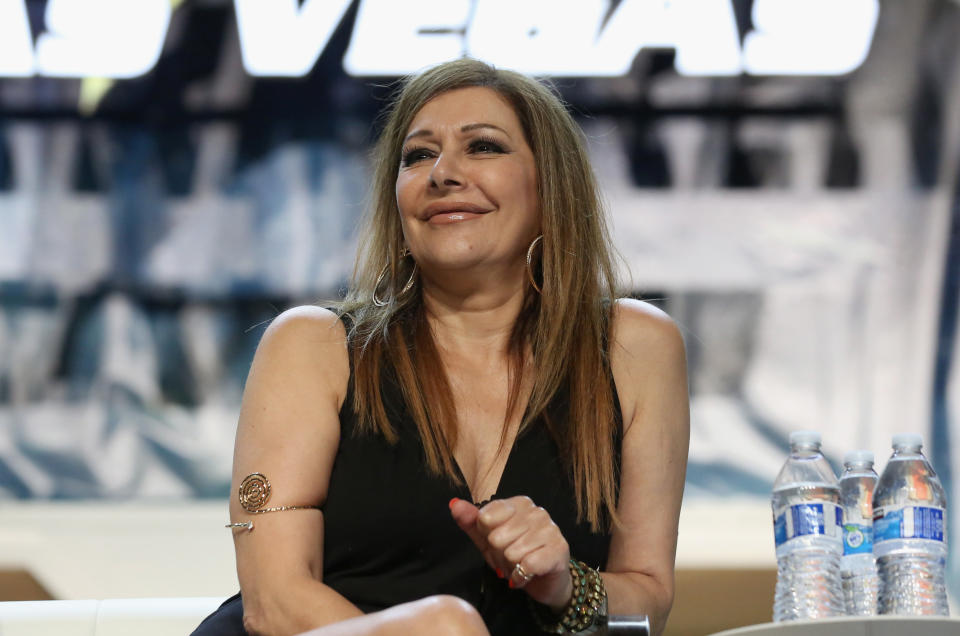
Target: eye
[414,155]
[486,146]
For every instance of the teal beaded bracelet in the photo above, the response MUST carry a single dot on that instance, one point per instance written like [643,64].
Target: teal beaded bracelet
[587,609]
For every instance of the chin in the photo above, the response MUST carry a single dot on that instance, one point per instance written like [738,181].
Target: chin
[453,262]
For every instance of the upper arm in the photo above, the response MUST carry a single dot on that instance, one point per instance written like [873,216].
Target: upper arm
[289,431]
[649,368]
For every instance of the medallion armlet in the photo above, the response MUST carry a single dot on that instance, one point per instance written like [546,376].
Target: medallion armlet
[254,493]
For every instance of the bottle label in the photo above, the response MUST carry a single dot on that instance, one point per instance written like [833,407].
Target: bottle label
[798,520]
[908,522]
[857,538]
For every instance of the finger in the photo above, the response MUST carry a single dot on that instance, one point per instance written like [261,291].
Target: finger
[545,561]
[507,533]
[539,561]
[539,552]
[495,560]
[495,514]
[498,517]
[506,567]
[520,576]
[527,528]
[530,541]
[465,515]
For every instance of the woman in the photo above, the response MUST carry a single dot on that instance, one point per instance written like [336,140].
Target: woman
[478,358]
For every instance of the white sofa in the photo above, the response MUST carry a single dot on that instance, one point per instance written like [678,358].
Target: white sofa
[143,617]
[111,617]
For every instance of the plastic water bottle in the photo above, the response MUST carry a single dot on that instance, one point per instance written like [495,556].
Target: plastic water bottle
[910,533]
[858,569]
[807,521]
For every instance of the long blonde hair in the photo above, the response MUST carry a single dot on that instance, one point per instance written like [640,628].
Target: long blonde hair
[566,327]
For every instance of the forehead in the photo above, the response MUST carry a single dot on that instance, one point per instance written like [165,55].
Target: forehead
[463,106]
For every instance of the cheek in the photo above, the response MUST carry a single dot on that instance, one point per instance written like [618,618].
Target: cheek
[533,192]
[528,187]
[403,191]
[524,177]
[516,183]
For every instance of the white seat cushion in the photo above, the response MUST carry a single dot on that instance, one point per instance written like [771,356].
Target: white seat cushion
[153,616]
[46,618]
[111,617]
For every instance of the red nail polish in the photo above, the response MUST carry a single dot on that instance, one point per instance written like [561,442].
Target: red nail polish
[510,584]
[499,573]
[453,501]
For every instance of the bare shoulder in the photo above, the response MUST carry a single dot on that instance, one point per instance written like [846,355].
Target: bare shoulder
[647,357]
[306,342]
[316,323]
[640,328]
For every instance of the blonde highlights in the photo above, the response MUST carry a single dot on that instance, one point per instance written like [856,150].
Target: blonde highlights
[566,328]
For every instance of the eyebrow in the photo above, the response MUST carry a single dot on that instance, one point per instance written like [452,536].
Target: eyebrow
[463,129]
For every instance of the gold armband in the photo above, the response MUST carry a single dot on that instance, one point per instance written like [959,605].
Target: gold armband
[255,492]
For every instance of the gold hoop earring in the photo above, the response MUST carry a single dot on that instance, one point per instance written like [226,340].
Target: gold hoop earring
[533,281]
[379,302]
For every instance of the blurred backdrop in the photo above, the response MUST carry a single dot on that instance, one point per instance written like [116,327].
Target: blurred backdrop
[782,177]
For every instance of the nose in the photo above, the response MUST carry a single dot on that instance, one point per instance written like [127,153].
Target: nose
[446,173]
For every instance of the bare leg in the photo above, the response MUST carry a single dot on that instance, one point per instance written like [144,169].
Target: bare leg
[441,615]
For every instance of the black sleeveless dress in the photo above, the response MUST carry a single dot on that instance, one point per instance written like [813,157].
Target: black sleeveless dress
[389,537]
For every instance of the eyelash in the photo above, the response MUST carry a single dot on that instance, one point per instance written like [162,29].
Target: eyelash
[410,156]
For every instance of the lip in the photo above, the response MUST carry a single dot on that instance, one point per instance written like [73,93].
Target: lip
[450,207]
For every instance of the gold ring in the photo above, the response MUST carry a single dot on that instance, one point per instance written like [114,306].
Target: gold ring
[520,573]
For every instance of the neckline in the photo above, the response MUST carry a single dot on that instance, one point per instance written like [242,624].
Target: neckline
[465,487]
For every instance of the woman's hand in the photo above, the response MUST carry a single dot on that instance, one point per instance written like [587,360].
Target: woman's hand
[516,531]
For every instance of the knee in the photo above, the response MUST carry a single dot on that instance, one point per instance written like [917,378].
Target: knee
[445,614]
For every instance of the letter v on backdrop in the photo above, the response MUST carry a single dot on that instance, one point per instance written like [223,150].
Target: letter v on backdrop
[123,38]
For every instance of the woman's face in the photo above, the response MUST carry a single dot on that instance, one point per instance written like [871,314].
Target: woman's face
[467,183]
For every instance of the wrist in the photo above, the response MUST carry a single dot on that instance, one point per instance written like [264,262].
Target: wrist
[586,610]
[565,597]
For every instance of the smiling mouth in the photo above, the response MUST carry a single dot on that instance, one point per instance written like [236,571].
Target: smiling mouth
[453,216]
[447,208]
[442,212]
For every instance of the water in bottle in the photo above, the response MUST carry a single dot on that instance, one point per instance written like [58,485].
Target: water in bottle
[910,533]
[858,569]
[807,521]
